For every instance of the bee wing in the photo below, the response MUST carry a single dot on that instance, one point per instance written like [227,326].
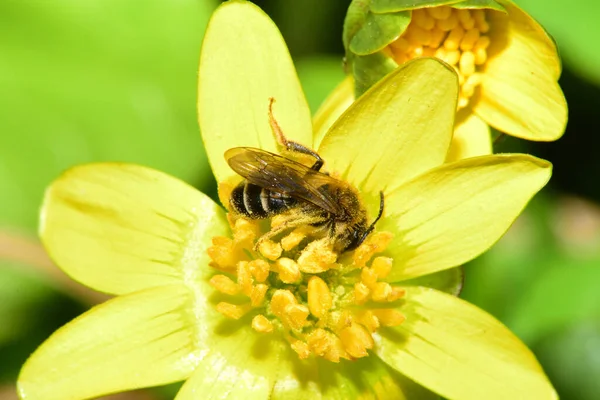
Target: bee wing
[282,175]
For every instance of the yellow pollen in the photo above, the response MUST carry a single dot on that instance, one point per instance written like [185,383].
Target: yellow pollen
[295,316]
[456,36]
[388,316]
[319,297]
[356,340]
[224,284]
[270,250]
[257,294]
[244,277]
[318,256]
[233,311]
[381,291]
[259,269]
[288,270]
[382,266]
[301,348]
[368,319]
[361,293]
[322,306]
[261,324]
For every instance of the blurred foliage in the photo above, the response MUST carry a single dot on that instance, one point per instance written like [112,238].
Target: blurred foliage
[115,80]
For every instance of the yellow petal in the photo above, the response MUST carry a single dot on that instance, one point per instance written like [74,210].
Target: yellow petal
[471,137]
[519,92]
[290,378]
[119,228]
[460,351]
[401,127]
[244,62]
[142,339]
[453,213]
[334,105]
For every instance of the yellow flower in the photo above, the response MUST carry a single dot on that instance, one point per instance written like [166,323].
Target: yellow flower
[507,64]
[196,302]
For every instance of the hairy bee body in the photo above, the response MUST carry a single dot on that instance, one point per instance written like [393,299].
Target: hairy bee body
[275,185]
[255,202]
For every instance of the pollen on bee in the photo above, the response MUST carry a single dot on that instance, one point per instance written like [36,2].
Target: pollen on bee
[456,36]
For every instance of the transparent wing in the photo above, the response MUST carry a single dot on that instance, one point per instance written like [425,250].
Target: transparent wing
[282,175]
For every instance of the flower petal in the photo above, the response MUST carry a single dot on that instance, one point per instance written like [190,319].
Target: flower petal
[471,138]
[119,228]
[398,129]
[244,62]
[290,378]
[143,339]
[448,280]
[460,351]
[453,213]
[519,92]
[330,110]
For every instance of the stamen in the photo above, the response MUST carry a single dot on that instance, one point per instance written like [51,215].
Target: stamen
[456,36]
[233,311]
[318,256]
[261,324]
[288,270]
[270,250]
[224,285]
[319,297]
[356,340]
[322,310]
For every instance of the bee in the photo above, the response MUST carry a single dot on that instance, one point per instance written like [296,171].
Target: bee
[276,185]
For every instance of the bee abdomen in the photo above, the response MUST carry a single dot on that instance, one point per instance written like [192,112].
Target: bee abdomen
[256,202]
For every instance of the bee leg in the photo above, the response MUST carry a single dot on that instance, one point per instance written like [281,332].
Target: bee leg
[288,144]
[291,224]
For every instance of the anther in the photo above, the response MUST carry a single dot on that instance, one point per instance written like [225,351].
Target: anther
[244,277]
[389,317]
[295,316]
[288,270]
[261,324]
[280,300]
[259,269]
[224,285]
[382,266]
[319,297]
[257,295]
[361,293]
[356,340]
[381,292]
[233,311]
[317,257]
[270,250]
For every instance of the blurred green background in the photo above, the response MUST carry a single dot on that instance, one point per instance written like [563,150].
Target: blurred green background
[100,80]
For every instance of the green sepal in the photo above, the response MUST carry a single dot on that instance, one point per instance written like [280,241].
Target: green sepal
[355,19]
[476,4]
[367,70]
[449,281]
[377,31]
[389,6]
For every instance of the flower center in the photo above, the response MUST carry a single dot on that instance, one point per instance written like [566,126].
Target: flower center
[322,303]
[456,36]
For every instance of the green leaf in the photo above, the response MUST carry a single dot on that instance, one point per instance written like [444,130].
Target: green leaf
[368,70]
[474,4]
[95,81]
[387,6]
[378,31]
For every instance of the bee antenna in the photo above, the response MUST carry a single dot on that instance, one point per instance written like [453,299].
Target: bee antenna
[372,226]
